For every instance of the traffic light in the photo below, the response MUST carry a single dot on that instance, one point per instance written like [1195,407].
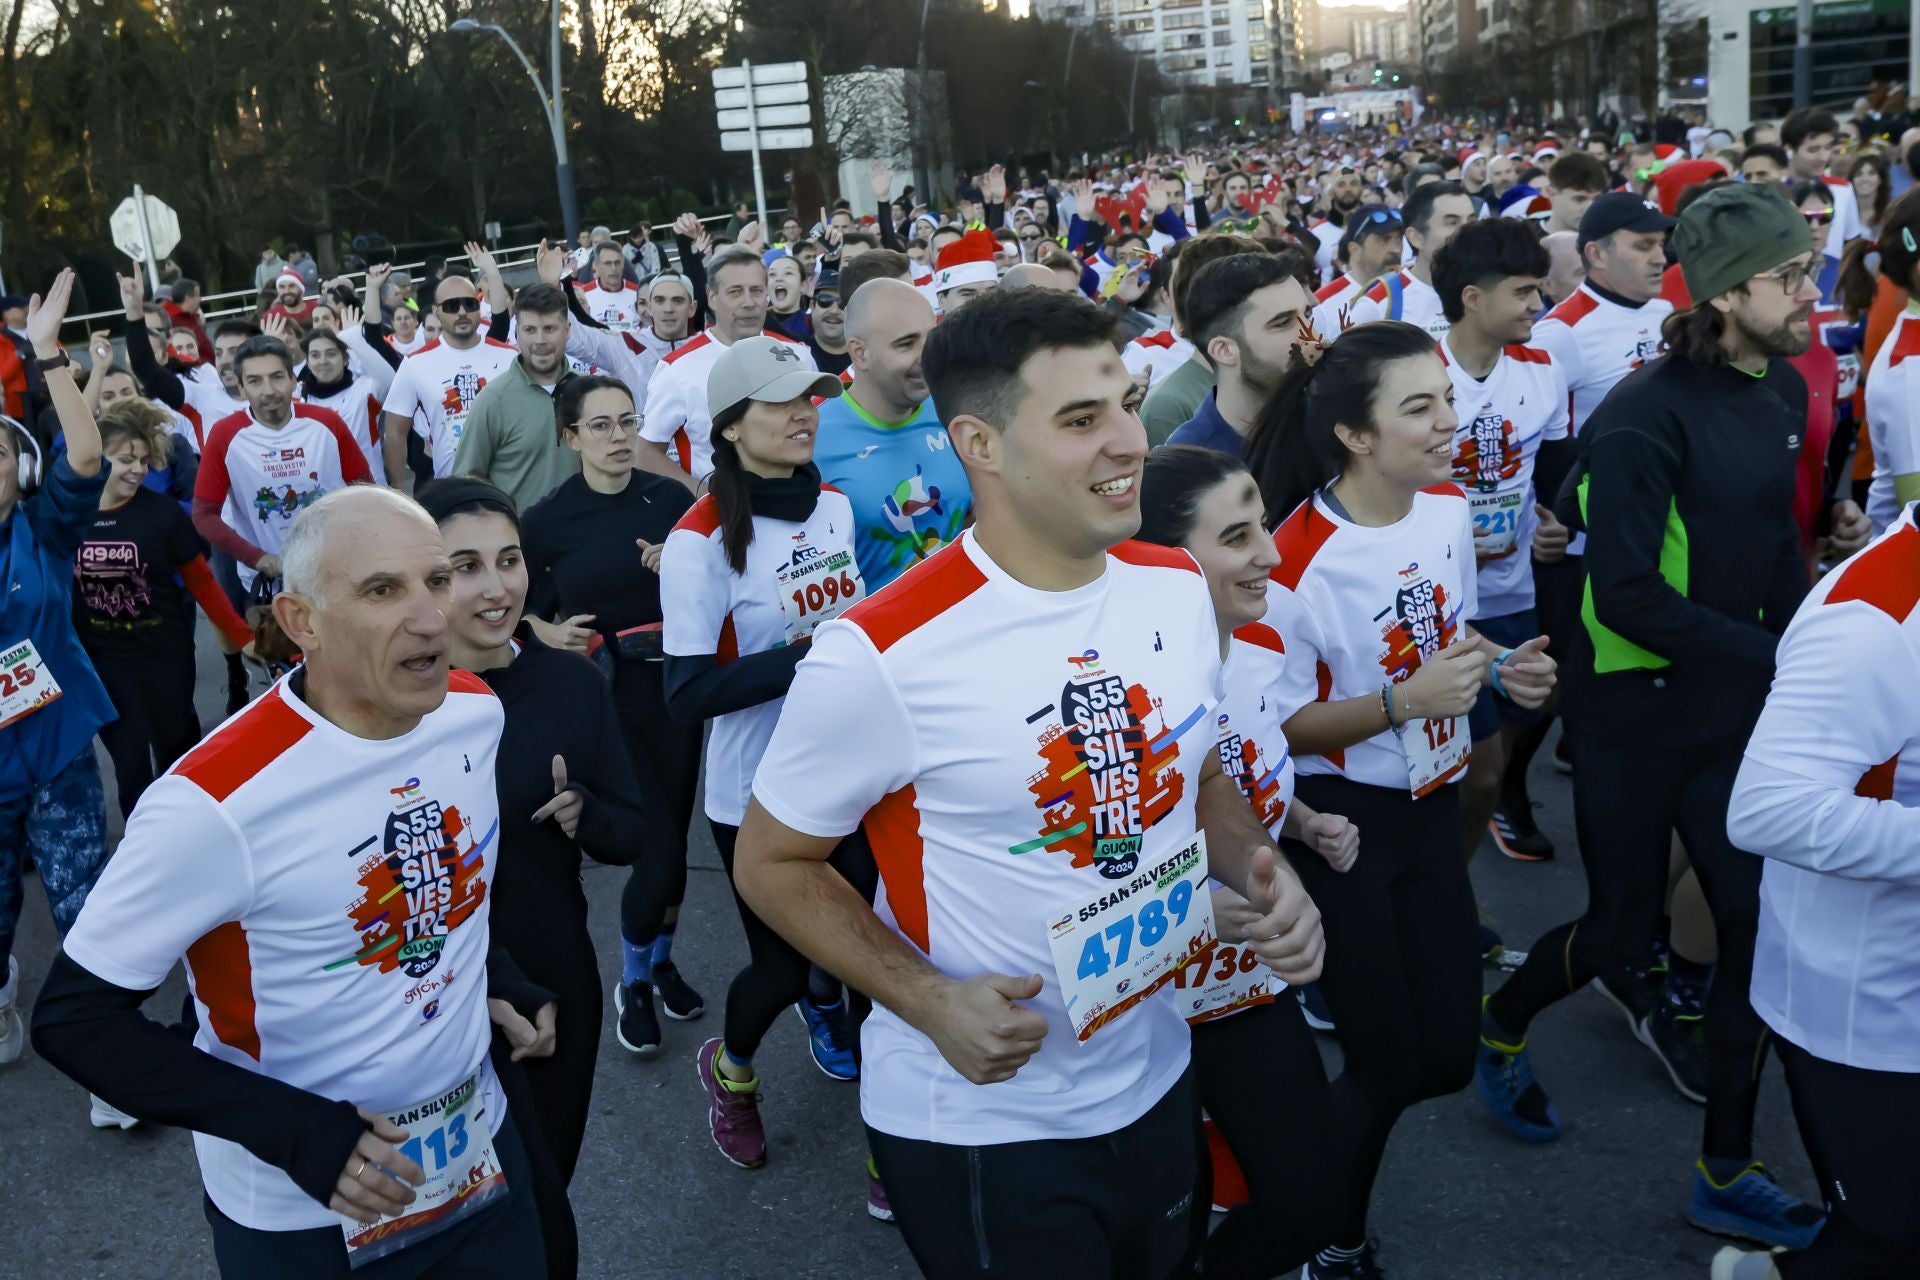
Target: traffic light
[1379,72]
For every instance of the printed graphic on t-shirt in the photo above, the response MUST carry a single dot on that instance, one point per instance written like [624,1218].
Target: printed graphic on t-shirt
[1420,622]
[1109,751]
[1253,771]
[1487,452]
[917,521]
[422,884]
[113,578]
[292,484]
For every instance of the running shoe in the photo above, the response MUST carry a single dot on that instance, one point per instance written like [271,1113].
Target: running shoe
[1504,1075]
[13,1028]
[679,1001]
[1514,831]
[879,1208]
[1679,1040]
[637,1029]
[107,1116]
[1364,1265]
[1733,1263]
[1753,1207]
[733,1114]
[1313,1005]
[1636,991]
[828,1039]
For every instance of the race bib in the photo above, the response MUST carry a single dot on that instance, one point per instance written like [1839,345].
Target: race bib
[1436,751]
[451,1138]
[818,590]
[25,683]
[1849,375]
[1115,948]
[1496,519]
[1225,978]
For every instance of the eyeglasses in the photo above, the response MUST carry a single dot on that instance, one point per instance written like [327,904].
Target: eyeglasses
[1817,217]
[1035,236]
[452,305]
[1793,277]
[601,428]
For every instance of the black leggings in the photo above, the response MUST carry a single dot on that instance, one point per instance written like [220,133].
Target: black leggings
[1260,1079]
[1627,803]
[155,721]
[1402,970]
[776,974]
[1861,1128]
[666,763]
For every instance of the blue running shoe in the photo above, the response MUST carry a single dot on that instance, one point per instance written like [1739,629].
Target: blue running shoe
[1504,1077]
[1753,1207]
[828,1039]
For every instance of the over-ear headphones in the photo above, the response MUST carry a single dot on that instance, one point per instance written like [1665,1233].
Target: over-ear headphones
[27,450]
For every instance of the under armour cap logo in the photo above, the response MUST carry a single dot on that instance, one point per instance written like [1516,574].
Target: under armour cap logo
[781,351]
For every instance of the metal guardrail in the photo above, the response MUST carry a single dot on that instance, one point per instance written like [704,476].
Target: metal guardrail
[513,256]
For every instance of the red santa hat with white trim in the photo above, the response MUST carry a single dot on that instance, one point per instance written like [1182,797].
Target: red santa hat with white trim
[968,260]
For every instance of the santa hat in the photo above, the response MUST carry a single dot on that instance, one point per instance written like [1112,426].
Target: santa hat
[285,276]
[1471,154]
[1673,180]
[1666,151]
[1544,152]
[968,260]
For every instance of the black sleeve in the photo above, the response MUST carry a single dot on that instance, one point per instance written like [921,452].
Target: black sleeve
[182,539]
[613,815]
[576,308]
[506,982]
[889,237]
[1551,467]
[543,594]
[162,384]
[699,688]
[500,324]
[696,274]
[377,339]
[1201,218]
[94,1032]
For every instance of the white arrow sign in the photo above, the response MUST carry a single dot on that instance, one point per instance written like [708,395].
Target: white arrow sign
[764,95]
[766,73]
[770,140]
[766,118]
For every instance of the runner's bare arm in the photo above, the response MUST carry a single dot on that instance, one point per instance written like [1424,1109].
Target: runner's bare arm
[650,456]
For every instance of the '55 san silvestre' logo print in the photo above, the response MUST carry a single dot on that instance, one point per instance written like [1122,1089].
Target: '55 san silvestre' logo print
[1109,768]
[421,885]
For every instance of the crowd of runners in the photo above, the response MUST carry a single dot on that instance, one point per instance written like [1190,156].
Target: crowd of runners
[1098,617]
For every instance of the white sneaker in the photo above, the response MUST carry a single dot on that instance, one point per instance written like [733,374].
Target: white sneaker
[13,1028]
[1734,1263]
[107,1116]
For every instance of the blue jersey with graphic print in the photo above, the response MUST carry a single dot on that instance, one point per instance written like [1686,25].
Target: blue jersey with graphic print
[909,492]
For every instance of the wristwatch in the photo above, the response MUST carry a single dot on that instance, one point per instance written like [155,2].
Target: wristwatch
[63,361]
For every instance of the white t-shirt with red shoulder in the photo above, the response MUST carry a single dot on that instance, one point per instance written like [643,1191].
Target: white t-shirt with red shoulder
[1597,342]
[994,803]
[359,407]
[1504,419]
[265,476]
[1333,306]
[436,387]
[799,574]
[329,895]
[676,410]
[617,309]
[1829,792]
[1419,305]
[207,401]
[1252,744]
[1156,354]
[1360,607]
[1893,415]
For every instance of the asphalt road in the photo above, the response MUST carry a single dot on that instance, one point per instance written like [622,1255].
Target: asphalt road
[1457,1200]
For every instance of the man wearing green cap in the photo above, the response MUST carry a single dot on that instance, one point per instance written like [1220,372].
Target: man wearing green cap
[1685,486]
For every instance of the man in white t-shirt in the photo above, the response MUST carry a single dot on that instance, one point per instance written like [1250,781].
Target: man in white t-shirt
[322,864]
[1371,246]
[1037,838]
[1433,213]
[610,297]
[1808,136]
[435,388]
[676,398]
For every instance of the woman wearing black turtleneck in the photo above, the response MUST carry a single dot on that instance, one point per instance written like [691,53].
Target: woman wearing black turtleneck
[566,788]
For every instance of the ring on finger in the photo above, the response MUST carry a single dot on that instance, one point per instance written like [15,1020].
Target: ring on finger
[355,1175]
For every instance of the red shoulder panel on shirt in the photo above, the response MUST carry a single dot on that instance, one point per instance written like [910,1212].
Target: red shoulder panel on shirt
[779,336]
[1528,355]
[429,347]
[1886,575]
[917,597]
[1570,312]
[1906,343]
[703,517]
[1832,181]
[1164,338]
[319,413]
[1327,291]
[1448,490]
[1299,537]
[244,746]
[467,682]
[827,488]
[1259,633]
[693,345]
[1133,551]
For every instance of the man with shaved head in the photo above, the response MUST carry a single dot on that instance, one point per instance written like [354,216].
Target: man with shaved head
[319,862]
[882,443]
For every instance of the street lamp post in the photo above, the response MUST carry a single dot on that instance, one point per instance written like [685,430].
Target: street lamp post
[923,181]
[549,105]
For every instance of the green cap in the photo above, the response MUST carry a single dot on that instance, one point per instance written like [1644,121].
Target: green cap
[1736,231]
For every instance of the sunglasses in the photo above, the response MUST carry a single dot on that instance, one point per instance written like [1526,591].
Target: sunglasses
[452,305]
[1379,216]
[1817,217]
[825,298]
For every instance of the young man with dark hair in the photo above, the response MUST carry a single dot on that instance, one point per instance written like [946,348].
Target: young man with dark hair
[1764,163]
[1248,314]
[510,440]
[1808,137]
[1371,247]
[1001,1141]
[1694,568]
[1432,214]
[1179,389]
[1577,180]
[1511,399]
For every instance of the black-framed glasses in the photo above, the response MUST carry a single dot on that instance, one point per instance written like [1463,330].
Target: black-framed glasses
[601,428]
[451,305]
[1793,277]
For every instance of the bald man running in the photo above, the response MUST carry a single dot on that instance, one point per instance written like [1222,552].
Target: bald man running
[882,443]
